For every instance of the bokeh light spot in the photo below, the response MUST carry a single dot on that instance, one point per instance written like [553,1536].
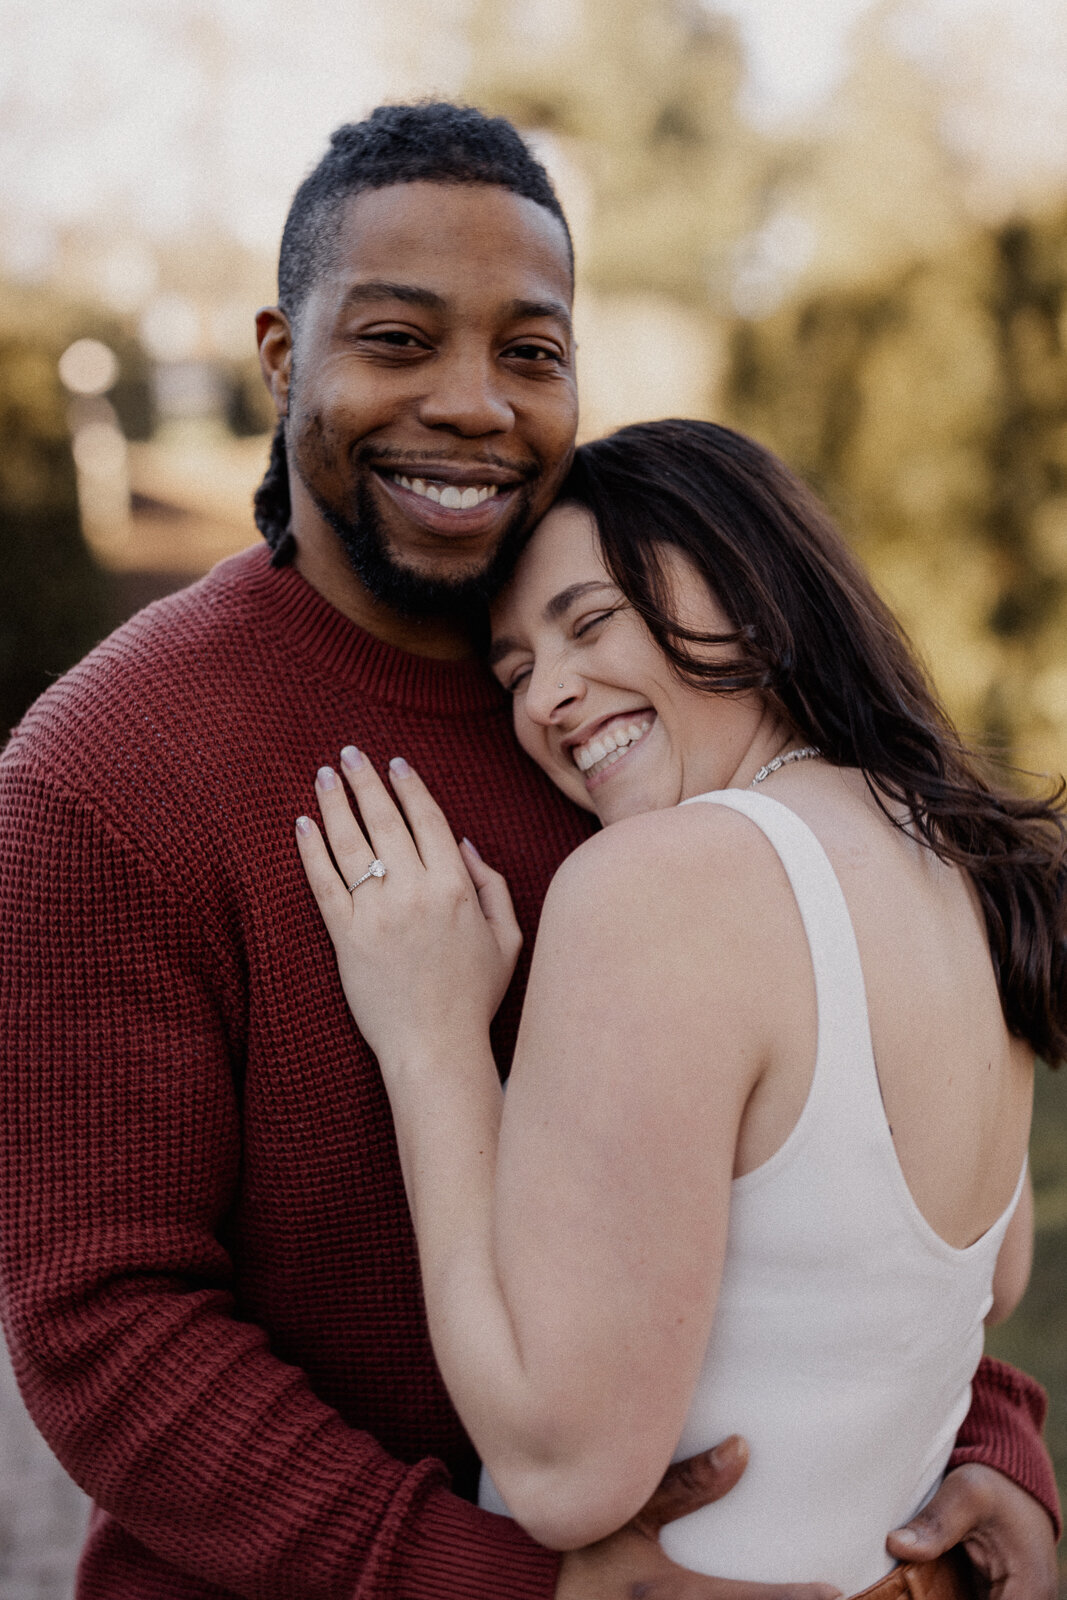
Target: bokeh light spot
[88,367]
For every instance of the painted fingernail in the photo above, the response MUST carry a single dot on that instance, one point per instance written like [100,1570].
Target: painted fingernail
[327,778]
[352,757]
[399,767]
[303,824]
[472,848]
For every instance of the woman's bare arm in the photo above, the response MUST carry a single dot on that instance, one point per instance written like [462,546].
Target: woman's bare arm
[1014,1259]
[571,1240]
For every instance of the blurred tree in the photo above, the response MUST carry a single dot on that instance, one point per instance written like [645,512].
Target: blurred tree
[644,93]
[55,603]
[635,103]
[930,409]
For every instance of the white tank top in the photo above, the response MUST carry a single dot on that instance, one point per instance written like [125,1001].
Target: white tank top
[846,1330]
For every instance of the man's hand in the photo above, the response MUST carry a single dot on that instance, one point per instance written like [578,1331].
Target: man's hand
[1005,1532]
[629,1565]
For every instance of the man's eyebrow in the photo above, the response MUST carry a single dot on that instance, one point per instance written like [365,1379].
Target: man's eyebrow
[557,607]
[409,293]
[518,309]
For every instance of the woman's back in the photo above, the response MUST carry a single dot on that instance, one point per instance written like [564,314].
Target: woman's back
[849,1318]
[955,1084]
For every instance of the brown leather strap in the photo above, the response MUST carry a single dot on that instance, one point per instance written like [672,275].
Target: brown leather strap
[948,1578]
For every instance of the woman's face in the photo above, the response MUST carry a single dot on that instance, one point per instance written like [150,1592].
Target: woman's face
[596,703]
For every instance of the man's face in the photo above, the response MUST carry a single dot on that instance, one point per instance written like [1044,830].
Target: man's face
[432,403]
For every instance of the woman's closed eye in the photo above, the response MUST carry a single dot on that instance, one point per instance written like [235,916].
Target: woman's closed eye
[514,678]
[587,624]
[514,682]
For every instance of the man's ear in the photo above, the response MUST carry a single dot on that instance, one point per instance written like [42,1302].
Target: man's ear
[275,338]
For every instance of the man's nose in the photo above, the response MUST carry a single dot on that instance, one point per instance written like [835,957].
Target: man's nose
[467,395]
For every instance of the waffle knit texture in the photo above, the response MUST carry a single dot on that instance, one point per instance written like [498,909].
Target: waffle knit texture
[209,1279]
[1003,1430]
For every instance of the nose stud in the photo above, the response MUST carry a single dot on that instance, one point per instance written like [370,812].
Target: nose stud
[559,686]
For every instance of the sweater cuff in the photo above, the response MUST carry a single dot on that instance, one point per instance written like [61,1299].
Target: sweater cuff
[454,1551]
[1003,1430]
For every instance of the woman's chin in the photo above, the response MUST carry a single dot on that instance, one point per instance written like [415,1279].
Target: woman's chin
[569,782]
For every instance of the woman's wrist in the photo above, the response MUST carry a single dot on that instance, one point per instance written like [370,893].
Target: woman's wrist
[454,1053]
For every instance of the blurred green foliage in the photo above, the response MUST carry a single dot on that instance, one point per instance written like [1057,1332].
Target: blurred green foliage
[930,410]
[57,601]
[54,601]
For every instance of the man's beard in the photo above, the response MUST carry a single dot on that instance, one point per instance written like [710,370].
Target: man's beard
[405,589]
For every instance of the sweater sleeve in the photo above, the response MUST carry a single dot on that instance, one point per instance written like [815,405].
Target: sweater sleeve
[119,1154]
[1003,1430]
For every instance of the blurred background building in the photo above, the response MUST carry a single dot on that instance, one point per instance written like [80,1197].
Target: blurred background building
[838,224]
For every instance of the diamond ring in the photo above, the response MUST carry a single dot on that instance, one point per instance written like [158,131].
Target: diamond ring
[375,870]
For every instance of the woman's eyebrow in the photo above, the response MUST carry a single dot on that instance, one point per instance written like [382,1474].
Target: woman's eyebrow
[555,608]
[562,602]
[500,648]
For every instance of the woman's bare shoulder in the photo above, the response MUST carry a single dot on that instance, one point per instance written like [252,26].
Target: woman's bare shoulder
[703,856]
[652,955]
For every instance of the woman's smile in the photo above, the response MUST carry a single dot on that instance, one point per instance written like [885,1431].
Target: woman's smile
[595,752]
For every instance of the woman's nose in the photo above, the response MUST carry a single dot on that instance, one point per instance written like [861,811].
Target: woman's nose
[552,693]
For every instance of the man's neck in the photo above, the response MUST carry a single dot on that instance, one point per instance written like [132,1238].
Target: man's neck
[334,579]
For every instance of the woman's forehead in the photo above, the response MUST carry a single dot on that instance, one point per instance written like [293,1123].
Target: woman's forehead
[563,550]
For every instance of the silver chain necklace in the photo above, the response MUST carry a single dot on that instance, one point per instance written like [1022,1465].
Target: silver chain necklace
[806,753]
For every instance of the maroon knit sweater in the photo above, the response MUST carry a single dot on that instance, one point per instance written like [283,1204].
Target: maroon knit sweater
[209,1278]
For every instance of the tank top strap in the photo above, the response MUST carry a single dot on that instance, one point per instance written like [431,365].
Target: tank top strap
[845,1065]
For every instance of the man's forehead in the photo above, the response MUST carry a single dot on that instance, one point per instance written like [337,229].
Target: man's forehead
[441,236]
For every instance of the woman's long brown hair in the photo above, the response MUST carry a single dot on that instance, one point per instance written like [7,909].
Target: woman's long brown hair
[810,631]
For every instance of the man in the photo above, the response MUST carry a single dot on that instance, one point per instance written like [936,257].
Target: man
[210,1283]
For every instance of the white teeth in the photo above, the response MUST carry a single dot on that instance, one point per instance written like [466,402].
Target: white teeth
[609,746]
[448,495]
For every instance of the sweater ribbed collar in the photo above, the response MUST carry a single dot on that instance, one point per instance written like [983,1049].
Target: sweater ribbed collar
[330,647]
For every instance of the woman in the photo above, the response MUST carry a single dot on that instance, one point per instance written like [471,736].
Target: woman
[704,1208]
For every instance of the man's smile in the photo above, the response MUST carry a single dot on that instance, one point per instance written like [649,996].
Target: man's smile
[454,500]
[450,494]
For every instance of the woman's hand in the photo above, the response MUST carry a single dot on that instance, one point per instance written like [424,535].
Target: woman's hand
[426,951]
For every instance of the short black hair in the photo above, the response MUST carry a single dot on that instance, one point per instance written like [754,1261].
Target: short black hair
[432,141]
